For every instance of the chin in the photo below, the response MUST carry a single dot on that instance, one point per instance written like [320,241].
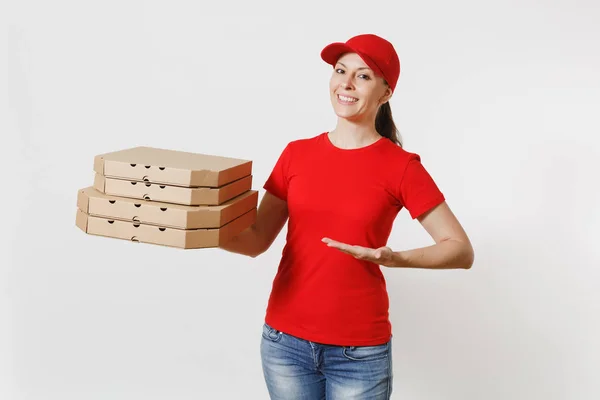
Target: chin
[341,111]
[347,116]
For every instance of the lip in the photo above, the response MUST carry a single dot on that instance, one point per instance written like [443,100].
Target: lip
[337,96]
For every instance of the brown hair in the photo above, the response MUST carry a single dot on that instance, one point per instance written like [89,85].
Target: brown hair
[384,123]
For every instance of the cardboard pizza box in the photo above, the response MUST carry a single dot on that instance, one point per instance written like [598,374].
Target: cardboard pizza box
[96,203]
[171,167]
[166,236]
[193,196]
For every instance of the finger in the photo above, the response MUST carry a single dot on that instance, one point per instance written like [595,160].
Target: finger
[345,249]
[331,241]
[339,245]
[361,255]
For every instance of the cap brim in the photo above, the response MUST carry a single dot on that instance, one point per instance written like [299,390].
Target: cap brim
[332,52]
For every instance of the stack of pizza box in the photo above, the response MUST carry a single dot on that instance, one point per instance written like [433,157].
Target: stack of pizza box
[168,197]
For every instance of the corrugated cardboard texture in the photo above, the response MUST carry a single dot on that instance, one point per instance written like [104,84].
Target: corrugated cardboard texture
[171,167]
[98,204]
[172,194]
[180,238]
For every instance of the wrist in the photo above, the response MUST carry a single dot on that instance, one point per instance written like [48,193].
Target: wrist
[398,259]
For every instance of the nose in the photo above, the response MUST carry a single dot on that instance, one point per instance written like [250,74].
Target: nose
[346,82]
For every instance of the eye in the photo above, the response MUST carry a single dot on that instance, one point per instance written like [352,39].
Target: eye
[367,77]
[339,69]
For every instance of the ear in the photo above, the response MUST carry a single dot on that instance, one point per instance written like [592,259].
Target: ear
[386,96]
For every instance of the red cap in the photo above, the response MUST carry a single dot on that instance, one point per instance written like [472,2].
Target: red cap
[376,52]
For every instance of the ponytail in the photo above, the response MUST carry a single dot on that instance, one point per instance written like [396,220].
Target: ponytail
[384,124]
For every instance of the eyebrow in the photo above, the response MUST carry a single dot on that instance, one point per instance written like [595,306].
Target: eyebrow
[358,68]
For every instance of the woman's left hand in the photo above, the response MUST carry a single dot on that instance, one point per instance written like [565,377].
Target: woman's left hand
[382,255]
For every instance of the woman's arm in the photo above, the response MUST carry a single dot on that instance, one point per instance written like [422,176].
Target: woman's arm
[271,216]
[452,248]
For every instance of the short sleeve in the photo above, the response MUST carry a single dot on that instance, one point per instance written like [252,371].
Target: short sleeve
[418,191]
[277,182]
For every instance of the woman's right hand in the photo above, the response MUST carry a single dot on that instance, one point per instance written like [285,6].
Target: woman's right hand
[271,216]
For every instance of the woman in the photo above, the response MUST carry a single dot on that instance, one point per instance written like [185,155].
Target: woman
[327,332]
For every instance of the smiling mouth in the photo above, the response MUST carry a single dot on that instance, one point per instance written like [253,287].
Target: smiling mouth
[346,100]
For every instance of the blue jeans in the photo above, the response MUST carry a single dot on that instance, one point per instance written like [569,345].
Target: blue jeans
[297,369]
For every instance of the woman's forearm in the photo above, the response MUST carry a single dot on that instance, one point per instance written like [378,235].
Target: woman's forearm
[247,243]
[447,254]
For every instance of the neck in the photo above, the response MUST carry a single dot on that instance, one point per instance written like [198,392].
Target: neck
[350,134]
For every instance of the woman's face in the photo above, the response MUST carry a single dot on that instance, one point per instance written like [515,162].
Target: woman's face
[355,91]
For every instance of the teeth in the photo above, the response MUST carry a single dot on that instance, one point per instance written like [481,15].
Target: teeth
[350,99]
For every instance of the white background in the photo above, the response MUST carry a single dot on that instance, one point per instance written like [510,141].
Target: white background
[500,99]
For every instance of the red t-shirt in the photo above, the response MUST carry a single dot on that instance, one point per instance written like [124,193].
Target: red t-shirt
[351,195]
